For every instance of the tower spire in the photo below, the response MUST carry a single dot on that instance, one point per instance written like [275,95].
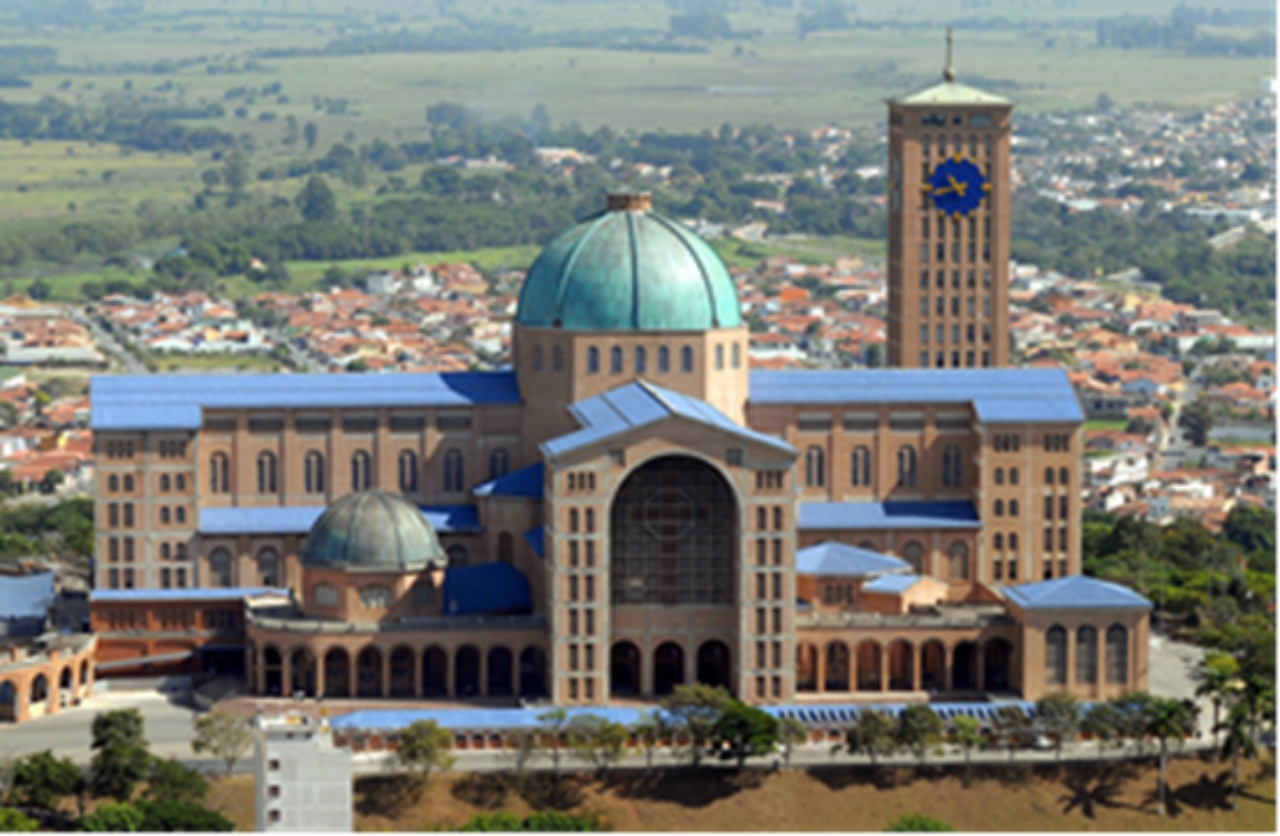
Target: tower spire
[949,71]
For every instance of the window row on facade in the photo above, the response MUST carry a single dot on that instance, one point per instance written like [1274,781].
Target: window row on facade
[940,280]
[965,360]
[409,471]
[959,333]
[957,227]
[861,466]
[959,254]
[639,359]
[1057,639]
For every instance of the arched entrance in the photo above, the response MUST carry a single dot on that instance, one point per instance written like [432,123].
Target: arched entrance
[901,667]
[714,667]
[466,672]
[964,667]
[500,677]
[402,672]
[369,673]
[8,702]
[533,673]
[302,669]
[66,688]
[997,655]
[673,536]
[272,672]
[933,666]
[337,673]
[39,703]
[837,678]
[624,670]
[668,668]
[869,667]
[435,672]
[806,668]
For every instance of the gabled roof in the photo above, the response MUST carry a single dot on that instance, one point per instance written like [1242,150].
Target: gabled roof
[489,588]
[892,584]
[1075,592]
[175,401]
[868,516]
[837,559]
[525,483]
[997,395]
[950,93]
[640,404]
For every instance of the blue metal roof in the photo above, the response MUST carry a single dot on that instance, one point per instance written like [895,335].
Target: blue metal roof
[26,596]
[891,584]
[175,401]
[837,559]
[639,404]
[536,537]
[210,594]
[525,483]
[488,588]
[997,395]
[858,516]
[299,519]
[1075,592]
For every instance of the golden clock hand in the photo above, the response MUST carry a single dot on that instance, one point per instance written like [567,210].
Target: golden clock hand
[944,190]
[958,186]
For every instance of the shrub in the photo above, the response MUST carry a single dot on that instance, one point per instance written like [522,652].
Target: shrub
[918,823]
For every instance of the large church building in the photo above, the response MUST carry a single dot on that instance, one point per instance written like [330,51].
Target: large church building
[626,508]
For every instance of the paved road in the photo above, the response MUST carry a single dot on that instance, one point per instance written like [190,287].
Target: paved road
[108,343]
[302,360]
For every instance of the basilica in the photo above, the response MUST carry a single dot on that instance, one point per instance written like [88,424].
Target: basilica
[629,506]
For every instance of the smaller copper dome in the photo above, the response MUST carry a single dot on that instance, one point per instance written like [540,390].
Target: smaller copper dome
[372,530]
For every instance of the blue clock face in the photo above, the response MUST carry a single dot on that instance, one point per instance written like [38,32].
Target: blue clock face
[957,185]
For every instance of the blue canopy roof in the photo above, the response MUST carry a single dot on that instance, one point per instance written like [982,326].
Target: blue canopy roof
[640,404]
[299,519]
[26,596]
[525,483]
[536,537]
[175,401]
[857,516]
[892,584]
[837,559]
[1075,592]
[997,395]
[489,588]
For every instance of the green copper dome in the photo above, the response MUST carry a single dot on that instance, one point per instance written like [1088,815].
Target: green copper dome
[629,269]
[372,530]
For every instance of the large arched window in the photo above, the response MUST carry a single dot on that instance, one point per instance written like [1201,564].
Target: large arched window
[269,568]
[642,360]
[1055,656]
[220,568]
[686,359]
[266,473]
[615,360]
[913,553]
[673,535]
[664,359]
[453,471]
[313,472]
[860,475]
[815,467]
[360,466]
[219,473]
[1117,655]
[1086,655]
[906,467]
[958,561]
[952,467]
[499,463]
[407,464]
[593,360]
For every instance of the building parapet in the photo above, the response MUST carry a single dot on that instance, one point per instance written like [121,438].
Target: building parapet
[438,623]
[961,617]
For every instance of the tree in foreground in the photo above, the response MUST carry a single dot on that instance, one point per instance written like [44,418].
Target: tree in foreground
[425,746]
[693,710]
[13,821]
[791,733]
[551,736]
[39,780]
[1167,719]
[1238,742]
[871,733]
[966,731]
[1102,721]
[1058,718]
[1013,727]
[918,823]
[1217,678]
[743,731]
[112,818]
[171,781]
[181,817]
[121,759]
[597,741]
[222,735]
[917,727]
[1131,709]
[650,730]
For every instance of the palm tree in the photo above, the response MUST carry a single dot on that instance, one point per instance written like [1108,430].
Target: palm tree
[1165,719]
[1219,676]
[1239,741]
[1102,720]
[1058,717]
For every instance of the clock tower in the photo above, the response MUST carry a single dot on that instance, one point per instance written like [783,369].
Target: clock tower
[949,205]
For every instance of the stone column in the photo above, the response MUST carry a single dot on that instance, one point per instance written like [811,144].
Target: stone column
[385,658]
[917,663]
[483,685]
[319,672]
[286,673]
[419,669]
[981,675]
[884,668]
[948,659]
[820,669]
